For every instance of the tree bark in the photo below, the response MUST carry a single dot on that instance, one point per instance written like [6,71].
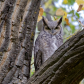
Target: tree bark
[17,28]
[65,66]
[18,20]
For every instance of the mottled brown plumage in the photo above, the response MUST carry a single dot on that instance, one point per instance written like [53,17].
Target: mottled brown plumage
[47,41]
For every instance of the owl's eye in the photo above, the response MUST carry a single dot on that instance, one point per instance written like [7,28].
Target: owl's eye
[57,27]
[46,27]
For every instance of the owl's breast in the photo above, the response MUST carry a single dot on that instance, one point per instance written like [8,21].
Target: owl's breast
[49,42]
[48,46]
[54,42]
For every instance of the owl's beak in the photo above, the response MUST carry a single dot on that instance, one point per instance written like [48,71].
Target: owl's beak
[52,31]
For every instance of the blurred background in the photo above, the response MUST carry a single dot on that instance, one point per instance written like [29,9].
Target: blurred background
[75,19]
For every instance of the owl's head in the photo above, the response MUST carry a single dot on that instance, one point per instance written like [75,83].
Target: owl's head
[52,27]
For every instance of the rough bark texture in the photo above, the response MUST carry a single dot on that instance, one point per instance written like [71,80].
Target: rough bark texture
[17,25]
[66,66]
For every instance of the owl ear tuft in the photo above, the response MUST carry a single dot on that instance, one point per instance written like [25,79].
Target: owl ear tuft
[45,21]
[60,21]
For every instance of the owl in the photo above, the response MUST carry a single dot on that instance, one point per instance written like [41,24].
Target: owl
[48,41]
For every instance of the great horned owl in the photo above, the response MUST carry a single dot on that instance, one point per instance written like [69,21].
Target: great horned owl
[47,41]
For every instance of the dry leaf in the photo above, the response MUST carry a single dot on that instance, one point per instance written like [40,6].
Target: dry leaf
[80,7]
[79,2]
[41,11]
[60,12]
[67,21]
[39,18]
[40,14]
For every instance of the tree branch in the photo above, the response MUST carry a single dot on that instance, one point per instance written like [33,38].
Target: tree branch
[66,64]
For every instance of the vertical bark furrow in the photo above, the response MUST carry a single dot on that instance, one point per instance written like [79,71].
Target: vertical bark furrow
[17,45]
[18,18]
[28,27]
[16,42]
[1,25]
[31,23]
[20,12]
[5,43]
[6,15]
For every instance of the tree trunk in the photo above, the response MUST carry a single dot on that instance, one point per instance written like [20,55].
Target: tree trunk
[66,66]
[18,22]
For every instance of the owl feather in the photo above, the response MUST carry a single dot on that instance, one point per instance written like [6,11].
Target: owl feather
[48,41]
